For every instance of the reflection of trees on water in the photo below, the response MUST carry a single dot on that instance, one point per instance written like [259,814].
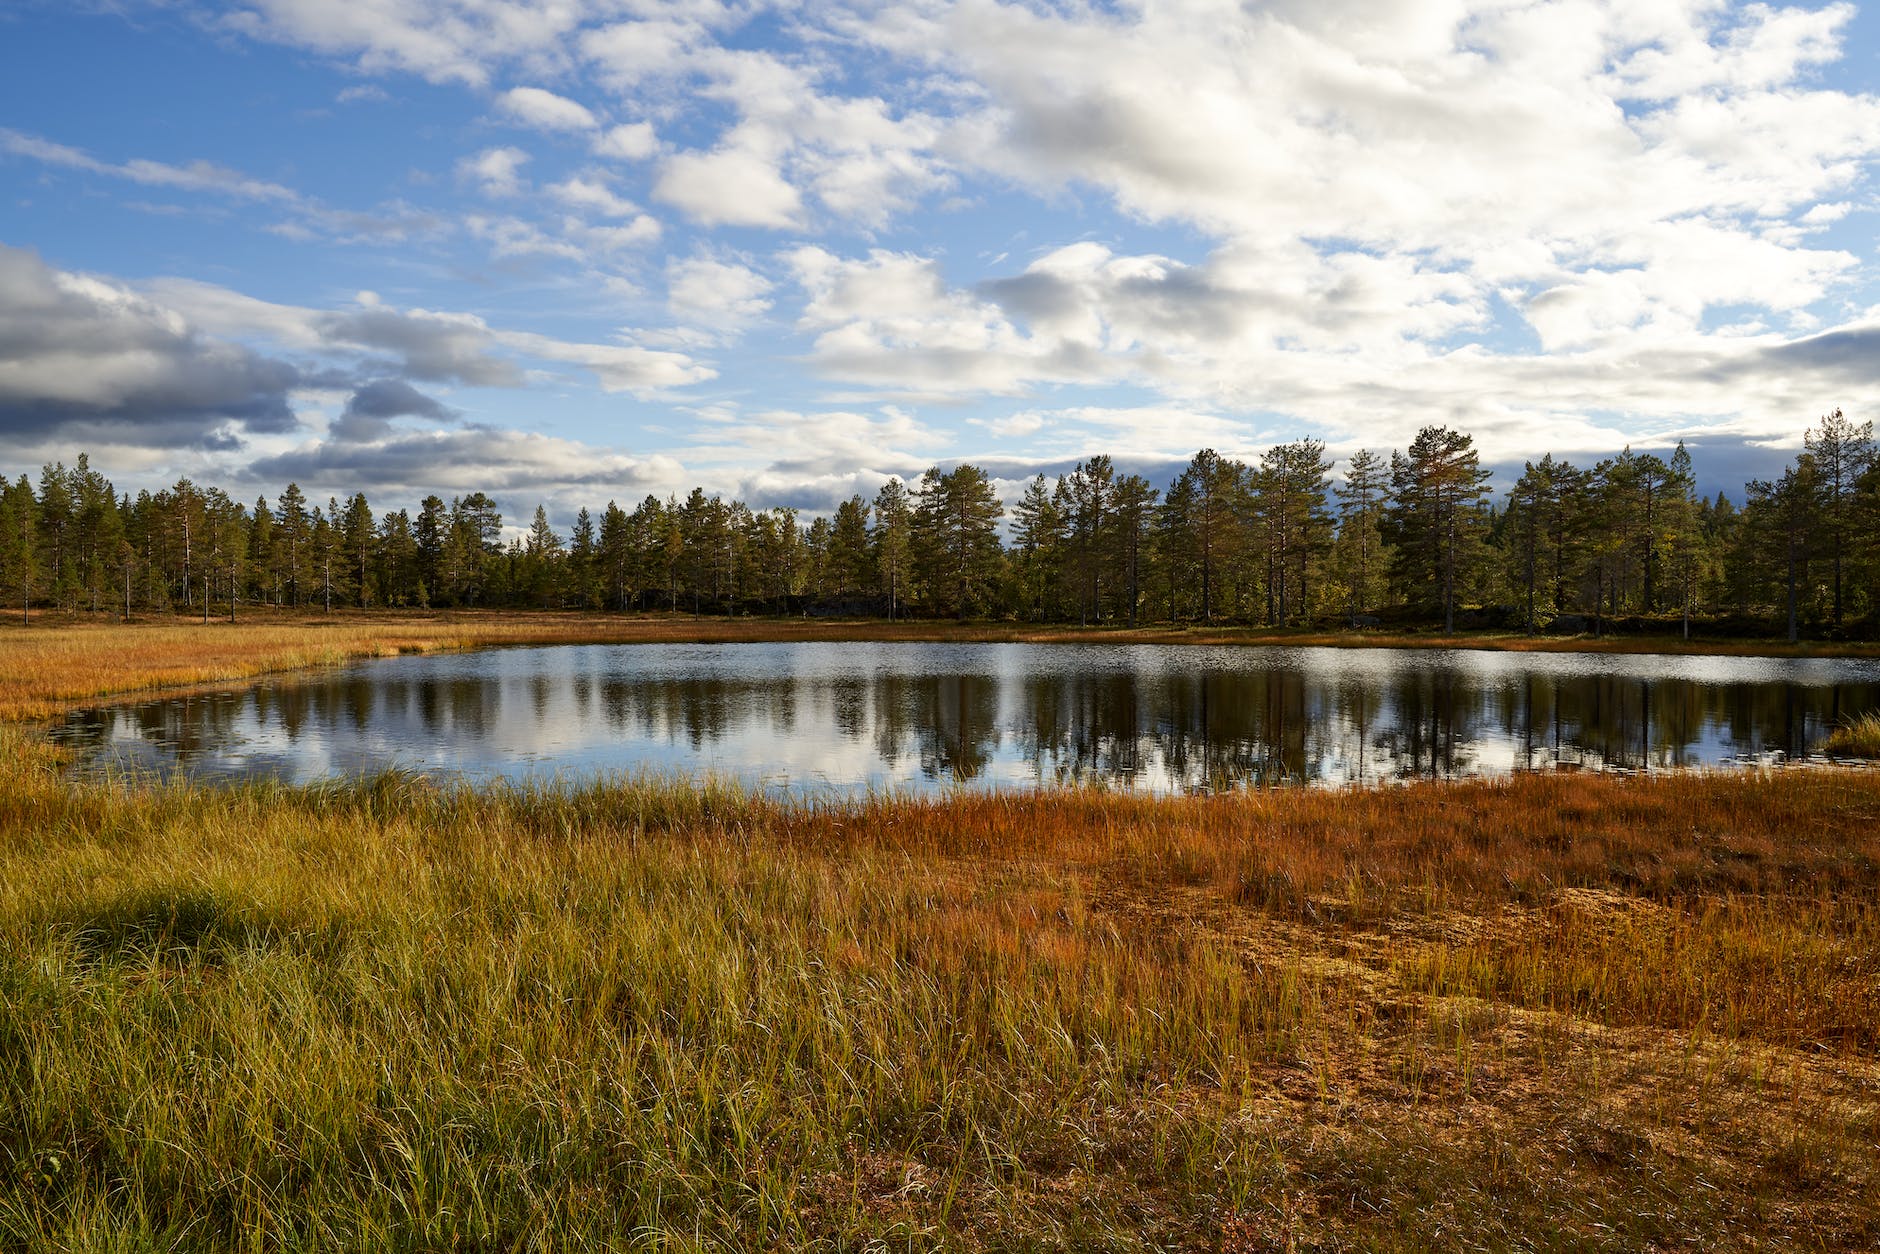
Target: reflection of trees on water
[1171,729]
[955,725]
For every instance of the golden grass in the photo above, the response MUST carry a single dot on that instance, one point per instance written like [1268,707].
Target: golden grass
[59,663]
[1546,1013]
[1856,738]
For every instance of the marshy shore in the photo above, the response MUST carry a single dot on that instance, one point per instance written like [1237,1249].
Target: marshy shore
[1573,1012]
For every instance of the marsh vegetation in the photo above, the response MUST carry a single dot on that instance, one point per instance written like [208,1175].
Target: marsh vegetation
[1551,1012]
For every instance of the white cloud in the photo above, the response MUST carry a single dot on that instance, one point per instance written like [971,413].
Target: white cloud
[591,192]
[714,293]
[545,111]
[89,358]
[481,459]
[427,345]
[196,176]
[630,141]
[729,186]
[814,460]
[496,171]
[618,367]
[1516,144]
[441,40]
[513,237]
[612,238]
[1506,213]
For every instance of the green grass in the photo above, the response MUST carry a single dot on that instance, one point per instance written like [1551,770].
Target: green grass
[1545,1014]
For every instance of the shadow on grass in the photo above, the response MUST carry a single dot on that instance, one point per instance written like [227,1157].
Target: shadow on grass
[194,923]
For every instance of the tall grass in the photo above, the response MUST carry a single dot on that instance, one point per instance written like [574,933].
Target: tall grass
[1543,1014]
[1856,738]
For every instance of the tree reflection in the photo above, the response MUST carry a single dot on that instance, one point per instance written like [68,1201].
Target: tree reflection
[1168,719]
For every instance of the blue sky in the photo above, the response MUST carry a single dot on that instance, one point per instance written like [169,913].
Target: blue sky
[578,249]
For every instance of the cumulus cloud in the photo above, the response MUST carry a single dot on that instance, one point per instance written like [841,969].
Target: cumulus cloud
[1366,350]
[371,408]
[1521,146]
[734,185]
[470,459]
[441,40]
[812,460]
[715,293]
[94,360]
[632,141]
[591,193]
[433,346]
[544,110]
[495,171]
[891,320]
[1593,218]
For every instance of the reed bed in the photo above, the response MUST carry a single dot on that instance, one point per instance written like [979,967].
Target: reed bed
[1856,738]
[1545,1013]
[66,661]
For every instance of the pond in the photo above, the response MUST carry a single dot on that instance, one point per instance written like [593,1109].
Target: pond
[912,717]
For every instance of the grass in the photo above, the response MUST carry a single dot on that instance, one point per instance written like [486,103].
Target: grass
[1555,1013]
[60,663]
[1856,738]
[1551,1012]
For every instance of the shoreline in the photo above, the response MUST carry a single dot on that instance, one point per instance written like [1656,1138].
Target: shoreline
[73,662]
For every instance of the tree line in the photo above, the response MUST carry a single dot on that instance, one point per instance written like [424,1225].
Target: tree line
[1412,537]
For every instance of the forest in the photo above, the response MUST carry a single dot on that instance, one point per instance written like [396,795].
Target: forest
[1412,538]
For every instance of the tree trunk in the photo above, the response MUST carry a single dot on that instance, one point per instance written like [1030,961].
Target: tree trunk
[1792,631]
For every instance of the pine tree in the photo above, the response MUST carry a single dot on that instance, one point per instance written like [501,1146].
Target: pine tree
[1198,522]
[541,552]
[358,542]
[850,564]
[1437,513]
[261,548]
[1037,547]
[1683,538]
[1842,453]
[1135,511]
[894,517]
[399,569]
[1539,527]
[617,556]
[583,554]
[1290,502]
[1361,498]
[293,530]
[431,531]
[955,540]
[1089,491]
[19,550]
[54,526]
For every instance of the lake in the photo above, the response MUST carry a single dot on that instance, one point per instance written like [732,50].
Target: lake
[914,717]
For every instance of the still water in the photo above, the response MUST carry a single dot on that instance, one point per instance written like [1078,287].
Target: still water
[919,716]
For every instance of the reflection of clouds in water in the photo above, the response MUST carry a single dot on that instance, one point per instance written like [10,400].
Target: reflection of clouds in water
[900,715]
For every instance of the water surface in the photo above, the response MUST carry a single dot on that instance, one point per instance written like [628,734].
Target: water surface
[919,716]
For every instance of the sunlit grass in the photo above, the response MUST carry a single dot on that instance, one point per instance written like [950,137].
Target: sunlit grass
[1856,738]
[1583,1013]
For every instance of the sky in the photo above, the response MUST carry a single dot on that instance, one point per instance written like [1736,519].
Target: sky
[566,251]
